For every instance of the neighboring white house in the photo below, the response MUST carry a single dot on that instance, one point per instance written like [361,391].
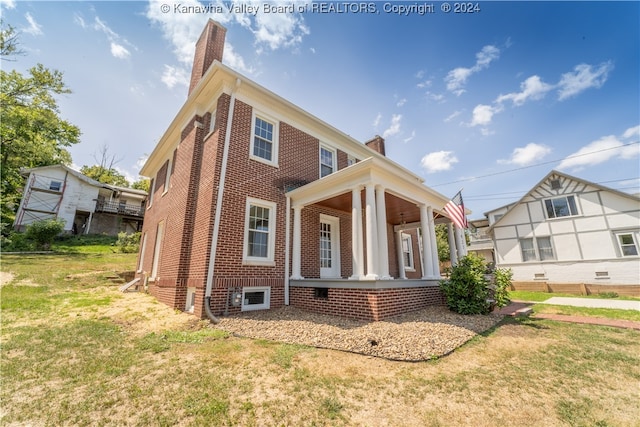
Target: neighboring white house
[480,241]
[568,230]
[85,205]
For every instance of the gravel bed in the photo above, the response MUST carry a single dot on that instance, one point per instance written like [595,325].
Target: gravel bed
[421,335]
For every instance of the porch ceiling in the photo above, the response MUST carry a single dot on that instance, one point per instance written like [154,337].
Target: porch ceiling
[398,210]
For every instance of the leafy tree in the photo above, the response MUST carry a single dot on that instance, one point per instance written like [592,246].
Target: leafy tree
[32,133]
[106,176]
[142,184]
[442,242]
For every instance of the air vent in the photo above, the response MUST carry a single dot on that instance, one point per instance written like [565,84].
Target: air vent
[555,184]
[602,274]
[540,276]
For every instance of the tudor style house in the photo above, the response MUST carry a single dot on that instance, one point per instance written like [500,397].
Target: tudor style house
[255,204]
[569,230]
[85,205]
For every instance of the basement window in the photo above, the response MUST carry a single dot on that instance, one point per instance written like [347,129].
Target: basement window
[191,300]
[322,293]
[256,298]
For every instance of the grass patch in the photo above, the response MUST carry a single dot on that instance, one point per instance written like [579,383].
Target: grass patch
[74,353]
[543,296]
[608,313]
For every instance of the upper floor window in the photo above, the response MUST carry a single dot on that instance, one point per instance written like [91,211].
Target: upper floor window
[561,206]
[167,176]
[628,245]
[264,140]
[212,121]
[55,186]
[351,160]
[327,161]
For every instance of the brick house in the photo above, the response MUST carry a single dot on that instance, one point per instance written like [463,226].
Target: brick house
[255,204]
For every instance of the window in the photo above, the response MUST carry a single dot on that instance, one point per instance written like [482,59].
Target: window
[351,160]
[151,191]
[628,245]
[528,251]
[157,249]
[544,248]
[407,252]
[327,161]
[212,121]
[264,139]
[544,253]
[322,293]
[191,300]
[561,206]
[143,248]
[167,177]
[259,240]
[55,186]
[256,298]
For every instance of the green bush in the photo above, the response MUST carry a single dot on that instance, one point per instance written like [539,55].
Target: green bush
[44,231]
[502,284]
[128,243]
[15,242]
[466,289]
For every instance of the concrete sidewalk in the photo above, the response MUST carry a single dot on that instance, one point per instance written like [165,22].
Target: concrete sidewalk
[594,303]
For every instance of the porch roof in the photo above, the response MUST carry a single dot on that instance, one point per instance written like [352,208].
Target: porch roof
[404,190]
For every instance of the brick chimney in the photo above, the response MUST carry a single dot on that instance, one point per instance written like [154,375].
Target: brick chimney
[209,48]
[376,144]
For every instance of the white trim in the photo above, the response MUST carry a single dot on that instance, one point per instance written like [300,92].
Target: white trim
[167,177]
[190,303]
[635,243]
[271,233]
[143,248]
[274,142]
[267,298]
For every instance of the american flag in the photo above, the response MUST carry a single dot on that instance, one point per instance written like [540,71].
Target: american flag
[455,209]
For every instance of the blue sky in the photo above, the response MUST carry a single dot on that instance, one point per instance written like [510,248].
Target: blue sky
[488,101]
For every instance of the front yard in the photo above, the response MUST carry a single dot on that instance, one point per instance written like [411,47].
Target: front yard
[75,351]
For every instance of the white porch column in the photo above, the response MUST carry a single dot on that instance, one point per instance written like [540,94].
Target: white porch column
[459,242]
[401,272]
[372,232]
[434,243]
[426,243]
[453,252]
[383,244]
[296,250]
[356,235]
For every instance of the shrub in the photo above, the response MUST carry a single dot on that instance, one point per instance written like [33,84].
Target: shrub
[44,231]
[128,243]
[466,289]
[503,284]
[15,242]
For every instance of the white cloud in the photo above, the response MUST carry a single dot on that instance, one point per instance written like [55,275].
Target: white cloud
[394,127]
[437,97]
[438,161]
[413,135]
[376,121]
[599,151]
[532,88]
[34,28]
[119,51]
[9,4]
[452,116]
[583,77]
[633,132]
[420,74]
[457,78]
[529,154]
[278,30]
[78,19]
[401,102]
[173,76]
[483,114]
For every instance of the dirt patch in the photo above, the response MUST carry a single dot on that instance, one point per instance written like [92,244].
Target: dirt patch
[5,278]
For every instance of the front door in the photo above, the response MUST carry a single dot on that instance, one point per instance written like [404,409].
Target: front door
[329,246]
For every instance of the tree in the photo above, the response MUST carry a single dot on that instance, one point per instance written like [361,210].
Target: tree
[104,170]
[32,133]
[142,184]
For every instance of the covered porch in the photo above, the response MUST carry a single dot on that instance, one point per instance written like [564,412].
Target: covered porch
[365,238]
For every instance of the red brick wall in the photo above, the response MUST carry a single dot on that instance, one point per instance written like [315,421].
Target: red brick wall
[367,304]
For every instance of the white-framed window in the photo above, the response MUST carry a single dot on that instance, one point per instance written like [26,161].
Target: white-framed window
[167,177]
[327,161]
[544,249]
[157,249]
[256,298]
[191,300]
[628,244]
[212,121]
[407,252]
[264,139]
[561,206]
[152,183]
[55,186]
[351,160]
[143,248]
[259,232]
